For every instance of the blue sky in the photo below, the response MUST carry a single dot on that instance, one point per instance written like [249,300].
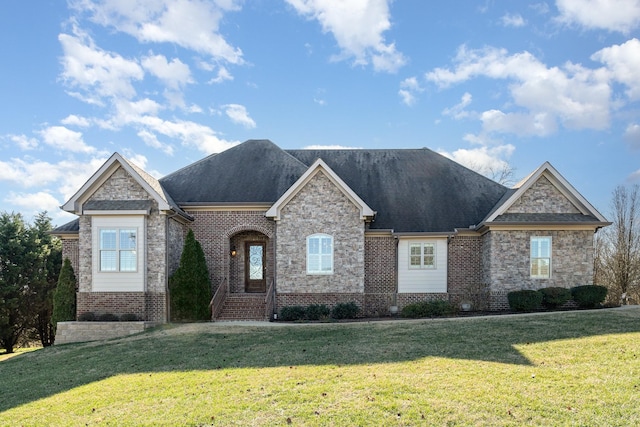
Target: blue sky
[167,82]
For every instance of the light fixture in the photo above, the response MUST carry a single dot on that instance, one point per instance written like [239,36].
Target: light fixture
[233,251]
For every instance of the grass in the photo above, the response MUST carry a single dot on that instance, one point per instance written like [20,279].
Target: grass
[565,368]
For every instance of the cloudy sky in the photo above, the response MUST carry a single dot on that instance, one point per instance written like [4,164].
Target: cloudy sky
[166,82]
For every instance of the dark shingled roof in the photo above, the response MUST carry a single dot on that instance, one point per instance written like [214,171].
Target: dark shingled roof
[72,227]
[549,218]
[413,190]
[118,205]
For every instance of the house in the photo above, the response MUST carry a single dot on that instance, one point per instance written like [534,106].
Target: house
[382,228]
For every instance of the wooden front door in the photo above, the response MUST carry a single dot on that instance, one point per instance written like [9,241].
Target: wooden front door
[255,267]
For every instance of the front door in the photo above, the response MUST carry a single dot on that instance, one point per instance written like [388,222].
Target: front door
[255,267]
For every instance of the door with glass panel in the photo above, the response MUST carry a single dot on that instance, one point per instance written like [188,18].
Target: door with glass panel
[255,267]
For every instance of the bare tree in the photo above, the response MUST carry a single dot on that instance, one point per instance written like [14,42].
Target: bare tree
[617,252]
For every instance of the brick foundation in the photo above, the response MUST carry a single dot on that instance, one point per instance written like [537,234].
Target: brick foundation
[149,307]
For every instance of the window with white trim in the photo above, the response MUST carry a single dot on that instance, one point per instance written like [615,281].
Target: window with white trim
[541,257]
[118,249]
[422,255]
[320,254]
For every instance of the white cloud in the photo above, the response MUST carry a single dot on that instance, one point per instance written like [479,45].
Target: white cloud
[612,15]
[222,76]
[191,24]
[577,97]
[175,73]
[34,202]
[358,27]
[632,135]
[73,120]
[513,20]
[409,87]
[23,141]
[238,114]
[99,73]
[623,63]
[65,139]
[458,111]
[488,161]
[151,140]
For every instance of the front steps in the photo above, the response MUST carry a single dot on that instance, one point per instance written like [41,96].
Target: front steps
[243,307]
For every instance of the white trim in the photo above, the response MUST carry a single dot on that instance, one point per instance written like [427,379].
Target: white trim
[550,257]
[320,236]
[559,182]
[74,204]
[366,213]
[132,212]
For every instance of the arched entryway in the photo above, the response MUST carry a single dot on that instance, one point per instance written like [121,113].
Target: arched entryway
[250,263]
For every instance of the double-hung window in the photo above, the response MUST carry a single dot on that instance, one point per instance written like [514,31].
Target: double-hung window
[118,249]
[319,254]
[541,257]
[422,255]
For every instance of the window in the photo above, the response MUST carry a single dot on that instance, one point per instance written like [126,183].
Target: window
[118,249]
[422,255]
[541,257]
[320,254]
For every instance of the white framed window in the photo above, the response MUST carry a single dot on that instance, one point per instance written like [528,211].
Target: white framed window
[320,254]
[541,257]
[422,255]
[118,249]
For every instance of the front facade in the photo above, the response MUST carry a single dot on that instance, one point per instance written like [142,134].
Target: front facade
[382,228]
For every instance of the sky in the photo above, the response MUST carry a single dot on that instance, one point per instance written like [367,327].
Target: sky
[490,84]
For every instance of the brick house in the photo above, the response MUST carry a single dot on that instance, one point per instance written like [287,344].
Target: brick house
[281,227]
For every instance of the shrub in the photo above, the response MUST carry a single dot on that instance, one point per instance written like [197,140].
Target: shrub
[524,300]
[317,312]
[129,317]
[555,296]
[107,317]
[292,313]
[87,317]
[64,297]
[420,309]
[189,286]
[588,296]
[345,310]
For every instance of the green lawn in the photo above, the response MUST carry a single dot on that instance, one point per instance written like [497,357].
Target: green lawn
[567,368]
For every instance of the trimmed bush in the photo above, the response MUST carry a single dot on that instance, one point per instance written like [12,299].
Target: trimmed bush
[524,300]
[108,317]
[292,313]
[555,296]
[589,296]
[64,297]
[189,286]
[129,317]
[345,310]
[438,308]
[87,317]
[317,312]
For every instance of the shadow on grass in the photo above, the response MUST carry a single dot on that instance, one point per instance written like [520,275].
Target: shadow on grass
[49,371]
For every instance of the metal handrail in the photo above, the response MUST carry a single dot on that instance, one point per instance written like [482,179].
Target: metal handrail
[268,300]
[218,299]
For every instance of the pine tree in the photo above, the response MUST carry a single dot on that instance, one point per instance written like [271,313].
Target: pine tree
[190,286]
[64,298]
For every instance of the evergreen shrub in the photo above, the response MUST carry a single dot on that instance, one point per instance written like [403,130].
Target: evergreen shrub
[437,308]
[64,297]
[589,296]
[317,312]
[554,296]
[87,317]
[524,300]
[345,310]
[292,313]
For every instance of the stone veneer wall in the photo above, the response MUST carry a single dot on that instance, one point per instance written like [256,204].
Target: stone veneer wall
[70,250]
[543,197]
[150,305]
[215,229]
[465,280]
[380,274]
[571,261]
[320,207]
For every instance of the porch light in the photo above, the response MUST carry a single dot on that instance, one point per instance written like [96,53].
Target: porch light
[233,251]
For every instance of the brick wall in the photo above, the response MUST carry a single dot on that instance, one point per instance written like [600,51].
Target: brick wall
[70,250]
[216,230]
[380,274]
[464,271]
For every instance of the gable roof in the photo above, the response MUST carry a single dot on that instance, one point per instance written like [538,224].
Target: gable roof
[320,166]
[146,181]
[587,213]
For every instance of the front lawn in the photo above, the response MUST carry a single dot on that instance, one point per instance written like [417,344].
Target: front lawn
[564,368]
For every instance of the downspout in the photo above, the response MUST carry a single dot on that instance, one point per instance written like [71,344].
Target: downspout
[274,315]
